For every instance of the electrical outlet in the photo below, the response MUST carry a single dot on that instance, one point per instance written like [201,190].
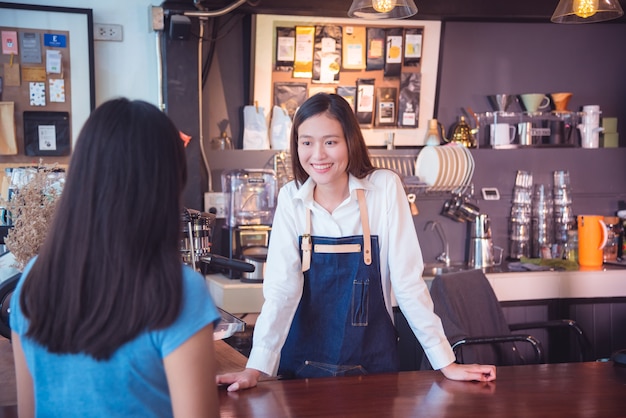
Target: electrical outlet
[107,32]
[215,202]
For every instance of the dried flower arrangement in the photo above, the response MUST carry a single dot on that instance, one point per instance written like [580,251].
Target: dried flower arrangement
[31,209]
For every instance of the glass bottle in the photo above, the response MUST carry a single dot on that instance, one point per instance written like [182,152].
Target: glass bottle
[571,246]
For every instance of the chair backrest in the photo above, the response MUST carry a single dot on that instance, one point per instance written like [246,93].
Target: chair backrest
[6,291]
[468,307]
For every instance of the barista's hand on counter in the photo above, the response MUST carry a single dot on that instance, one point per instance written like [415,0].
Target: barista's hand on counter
[471,372]
[245,379]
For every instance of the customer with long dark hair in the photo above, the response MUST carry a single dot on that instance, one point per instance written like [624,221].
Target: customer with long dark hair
[106,320]
[342,237]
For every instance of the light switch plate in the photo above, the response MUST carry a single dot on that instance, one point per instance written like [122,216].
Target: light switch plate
[490,193]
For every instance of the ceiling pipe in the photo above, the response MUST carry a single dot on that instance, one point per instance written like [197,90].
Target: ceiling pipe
[214,13]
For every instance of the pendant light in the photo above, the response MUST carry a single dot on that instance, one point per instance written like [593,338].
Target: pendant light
[586,11]
[382,9]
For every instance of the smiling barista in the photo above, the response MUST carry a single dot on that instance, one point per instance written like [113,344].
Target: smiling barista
[342,236]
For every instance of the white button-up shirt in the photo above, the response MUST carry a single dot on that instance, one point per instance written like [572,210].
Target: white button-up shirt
[400,260]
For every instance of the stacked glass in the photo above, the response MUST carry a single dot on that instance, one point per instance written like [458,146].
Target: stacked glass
[520,219]
[542,222]
[564,219]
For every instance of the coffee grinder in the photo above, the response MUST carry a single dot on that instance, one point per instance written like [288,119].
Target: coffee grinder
[252,202]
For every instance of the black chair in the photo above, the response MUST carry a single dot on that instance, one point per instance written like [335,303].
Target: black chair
[475,325]
[6,291]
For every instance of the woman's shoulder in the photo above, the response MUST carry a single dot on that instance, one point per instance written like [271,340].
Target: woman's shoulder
[384,176]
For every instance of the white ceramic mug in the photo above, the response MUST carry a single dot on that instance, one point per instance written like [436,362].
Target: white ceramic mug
[535,101]
[502,134]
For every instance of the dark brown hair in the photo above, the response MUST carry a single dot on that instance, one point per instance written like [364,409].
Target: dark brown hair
[110,267]
[335,106]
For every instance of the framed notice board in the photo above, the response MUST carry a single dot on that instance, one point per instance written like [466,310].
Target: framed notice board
[386,69]
[46,67]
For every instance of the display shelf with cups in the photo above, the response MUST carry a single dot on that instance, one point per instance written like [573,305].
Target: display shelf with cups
[505,130]
[536,120]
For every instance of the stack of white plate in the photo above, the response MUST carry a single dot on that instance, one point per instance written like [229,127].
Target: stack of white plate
[445,167]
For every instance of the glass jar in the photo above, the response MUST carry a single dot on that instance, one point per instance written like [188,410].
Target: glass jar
[571,246]
[614,231]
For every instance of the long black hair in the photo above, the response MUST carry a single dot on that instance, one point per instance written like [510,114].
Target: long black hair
[335,106]
[110,267]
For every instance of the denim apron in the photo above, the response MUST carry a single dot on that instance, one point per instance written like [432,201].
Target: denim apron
[341,326]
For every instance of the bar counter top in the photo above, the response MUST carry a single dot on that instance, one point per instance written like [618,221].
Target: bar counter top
[592,389]
[605,282]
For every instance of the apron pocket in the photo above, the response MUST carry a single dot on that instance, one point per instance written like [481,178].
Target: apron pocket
[360,303]
[311,369]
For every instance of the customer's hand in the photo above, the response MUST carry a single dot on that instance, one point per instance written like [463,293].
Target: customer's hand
[245,379]
[476,372]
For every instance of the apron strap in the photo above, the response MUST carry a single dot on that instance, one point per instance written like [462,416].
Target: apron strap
[367,242]
[305,246]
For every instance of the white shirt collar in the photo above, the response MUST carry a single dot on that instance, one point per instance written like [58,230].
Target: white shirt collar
[305,192]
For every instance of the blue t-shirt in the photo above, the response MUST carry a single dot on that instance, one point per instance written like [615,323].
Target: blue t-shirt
[132,382]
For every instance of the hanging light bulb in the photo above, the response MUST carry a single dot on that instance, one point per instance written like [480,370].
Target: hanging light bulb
[585,8]
[383,6]
[586,11]
[382,9]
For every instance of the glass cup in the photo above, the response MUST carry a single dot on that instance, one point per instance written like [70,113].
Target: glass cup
[523,179]
[561,179]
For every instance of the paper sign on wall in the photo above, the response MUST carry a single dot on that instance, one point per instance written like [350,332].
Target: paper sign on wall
[31,47]
[57,90]
[9,42]
[37,94]
[53,61]
[54,40]
[47,138]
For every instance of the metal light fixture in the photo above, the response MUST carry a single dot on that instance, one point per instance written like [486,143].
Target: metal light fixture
[586,11]
[382,9]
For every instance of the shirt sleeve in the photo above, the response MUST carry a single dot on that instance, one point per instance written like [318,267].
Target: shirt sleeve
[282,288]
[405,268]
[197,311]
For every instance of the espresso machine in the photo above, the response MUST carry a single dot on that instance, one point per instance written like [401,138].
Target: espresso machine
[196,242]
[252,195]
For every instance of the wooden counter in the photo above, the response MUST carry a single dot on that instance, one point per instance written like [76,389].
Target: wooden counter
[549,390]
